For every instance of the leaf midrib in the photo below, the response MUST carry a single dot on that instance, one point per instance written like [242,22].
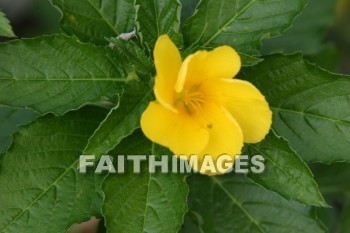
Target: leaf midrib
[75,162]
[229,22]
[147,195]
[136,106]
[156,16]
[72,166]
[278,109]
[238,204]
[103,17]
[283,171]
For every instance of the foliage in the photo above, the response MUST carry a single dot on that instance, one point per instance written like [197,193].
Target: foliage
[5,27]
[83,92]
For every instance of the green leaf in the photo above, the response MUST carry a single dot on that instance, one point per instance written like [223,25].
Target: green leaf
[246,59]
[121,121]
[93,20]
[285,173]
[192,223]
[10,118]
[155,18]
[41,188]
[133,55]
[345,220]
[240,24]
[334,184]
[124,118]
[249,60]
[145,202]
[231,203]
[310,106]
[327,58]
[308,33]
[57,74]
[5,26]
[188,8]
[328,216]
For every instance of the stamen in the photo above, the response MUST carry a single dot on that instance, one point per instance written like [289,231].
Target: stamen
[193,99]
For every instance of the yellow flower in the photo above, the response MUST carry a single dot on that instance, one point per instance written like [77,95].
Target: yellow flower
[199,109]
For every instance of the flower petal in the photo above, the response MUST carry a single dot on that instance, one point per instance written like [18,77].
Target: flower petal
[247,105]
[190,70]
[225,135]
[168,61]
[222,62]
[177,131]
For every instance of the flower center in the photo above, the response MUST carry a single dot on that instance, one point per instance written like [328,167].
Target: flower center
[191,99]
